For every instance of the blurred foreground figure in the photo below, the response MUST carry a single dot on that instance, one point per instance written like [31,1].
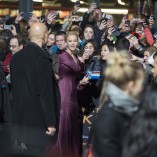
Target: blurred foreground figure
[35,96]
[118,101]
[141,140]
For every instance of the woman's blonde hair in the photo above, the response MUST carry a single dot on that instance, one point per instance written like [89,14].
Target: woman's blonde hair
[120,71]
[71,33]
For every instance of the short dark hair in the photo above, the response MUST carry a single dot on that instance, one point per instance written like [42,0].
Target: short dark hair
[122,44]
[6,34]
[20,40]
[61,33]
[109,44]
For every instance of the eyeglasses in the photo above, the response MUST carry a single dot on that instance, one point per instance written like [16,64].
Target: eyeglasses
[13,46]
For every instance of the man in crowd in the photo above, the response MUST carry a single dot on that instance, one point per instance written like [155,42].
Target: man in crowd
[50,43]
[35,95]
[61,45]
[16,44]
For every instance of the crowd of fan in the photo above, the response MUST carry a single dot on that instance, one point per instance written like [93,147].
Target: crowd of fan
[99,38]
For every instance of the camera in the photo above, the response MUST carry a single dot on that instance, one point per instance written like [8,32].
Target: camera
[77,18]
[106,17]
[7,27]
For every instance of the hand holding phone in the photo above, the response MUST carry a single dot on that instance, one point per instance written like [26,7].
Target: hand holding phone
[103,25]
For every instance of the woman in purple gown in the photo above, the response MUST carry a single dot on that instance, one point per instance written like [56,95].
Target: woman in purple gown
[68,144]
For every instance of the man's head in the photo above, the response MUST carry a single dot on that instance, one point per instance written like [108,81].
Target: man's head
[16,44]
[60,40]
[51,39]
[38,33]
[97,14]
[122,44]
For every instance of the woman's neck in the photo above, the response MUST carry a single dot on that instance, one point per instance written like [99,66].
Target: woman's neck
[70,52]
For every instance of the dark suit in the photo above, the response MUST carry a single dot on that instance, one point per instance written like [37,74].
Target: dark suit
[36,96]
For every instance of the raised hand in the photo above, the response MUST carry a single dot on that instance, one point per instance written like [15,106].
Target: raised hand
[91,8]
[18,18]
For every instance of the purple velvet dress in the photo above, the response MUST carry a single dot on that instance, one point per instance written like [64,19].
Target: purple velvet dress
[68,143]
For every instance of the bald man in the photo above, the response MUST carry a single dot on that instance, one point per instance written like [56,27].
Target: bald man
[36,96]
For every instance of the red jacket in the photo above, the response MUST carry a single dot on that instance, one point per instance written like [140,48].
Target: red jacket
[6,63]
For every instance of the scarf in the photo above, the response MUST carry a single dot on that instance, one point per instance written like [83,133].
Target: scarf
[121,101]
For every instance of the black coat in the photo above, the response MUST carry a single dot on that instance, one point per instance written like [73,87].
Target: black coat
[109,131]
[5,106]
[36,95]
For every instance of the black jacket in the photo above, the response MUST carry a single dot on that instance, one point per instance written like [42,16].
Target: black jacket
[35,92]
[5,106]
[109,131]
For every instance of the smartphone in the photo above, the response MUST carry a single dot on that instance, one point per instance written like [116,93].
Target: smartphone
[106,16]
[97,2]
[128,36]
[77,3]
[7,27]
[77,18]
[57,15]
[116,32]
[127,22]
[151,59]
[26,15]
[1,20]
[155,35]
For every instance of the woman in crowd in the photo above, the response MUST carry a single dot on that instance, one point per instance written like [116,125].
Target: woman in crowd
[23,28]
[69,68]
[148,65]
[88,34]
[88,50]
[105,50]
[89,91]
[118,102]
[141,140]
